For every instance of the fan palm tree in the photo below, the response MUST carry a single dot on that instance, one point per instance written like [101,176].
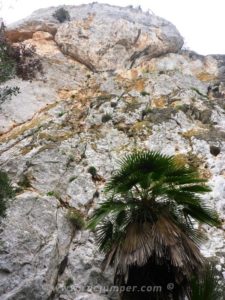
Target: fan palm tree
[145,226]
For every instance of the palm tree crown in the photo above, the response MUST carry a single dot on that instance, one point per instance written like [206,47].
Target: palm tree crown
[148,216]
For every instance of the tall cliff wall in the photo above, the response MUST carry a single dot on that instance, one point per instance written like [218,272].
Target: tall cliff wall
[115,79]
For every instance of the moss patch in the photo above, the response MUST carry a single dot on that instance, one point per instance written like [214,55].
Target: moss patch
[59,137]
[159,115]
[76,218]
[142,128]
[192,132]
[194,161]
[132,104]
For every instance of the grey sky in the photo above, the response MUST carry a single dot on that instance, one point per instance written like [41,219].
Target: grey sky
[201,22]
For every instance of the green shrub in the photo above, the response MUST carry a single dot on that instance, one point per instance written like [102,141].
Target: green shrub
[53,194]
[7,64]
[7,92]
[69,282]
[16,60]
[106,118]
[144,93]
[92,170]
[6,192]
[61,113]
[145,112]
[24,182]
[7,67]
[62,15]
[76,218]
[28,64]
[19,59]
[72,178]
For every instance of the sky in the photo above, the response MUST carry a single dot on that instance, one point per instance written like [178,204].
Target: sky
[200,22]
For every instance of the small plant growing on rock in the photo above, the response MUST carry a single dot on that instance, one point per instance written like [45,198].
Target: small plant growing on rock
[180,107]
[144,93]
[28,64]
[54,194]
[76,218]
[61,113]
[113,104]
[92,170]
[24,182]
[69,282]
[62,15]
[106,118]
[96,194]
[7,92]
[70,160]
[7,67]
[145,112]
[6,192]
[7,64]
[214,150]
[19,59]
[95,176]
[72,178]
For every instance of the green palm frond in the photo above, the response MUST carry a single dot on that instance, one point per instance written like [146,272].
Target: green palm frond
[120,218]
[185,179]
[203,214]
[196,188]
[182,197]
[186,225]
[134,167]
[150,169]
[105,235]
[111,230]
[208,288]
[151,175]
[110,206]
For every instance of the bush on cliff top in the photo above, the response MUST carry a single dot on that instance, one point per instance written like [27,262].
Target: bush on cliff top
[16,60]
[62,15]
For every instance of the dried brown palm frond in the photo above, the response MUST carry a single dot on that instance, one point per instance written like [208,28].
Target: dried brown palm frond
[162,241]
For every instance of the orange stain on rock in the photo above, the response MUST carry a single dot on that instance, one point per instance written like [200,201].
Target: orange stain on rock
[160,102]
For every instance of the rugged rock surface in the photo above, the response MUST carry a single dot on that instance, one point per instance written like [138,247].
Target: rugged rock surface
[115,80]
[105,39]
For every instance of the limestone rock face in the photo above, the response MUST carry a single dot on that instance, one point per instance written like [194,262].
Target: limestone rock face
[114,80]
[106,39]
